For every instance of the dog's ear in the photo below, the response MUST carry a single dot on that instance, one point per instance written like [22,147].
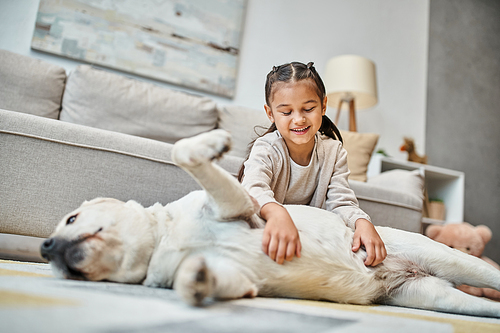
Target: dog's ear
[433,230]
[484,232]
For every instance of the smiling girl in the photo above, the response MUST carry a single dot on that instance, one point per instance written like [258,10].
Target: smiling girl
[300,160]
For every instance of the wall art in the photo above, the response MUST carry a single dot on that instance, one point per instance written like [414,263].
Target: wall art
[192,43]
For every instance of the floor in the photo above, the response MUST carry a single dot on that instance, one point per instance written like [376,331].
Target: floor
[33,300]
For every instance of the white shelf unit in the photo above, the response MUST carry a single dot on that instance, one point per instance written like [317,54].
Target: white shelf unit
[441,183]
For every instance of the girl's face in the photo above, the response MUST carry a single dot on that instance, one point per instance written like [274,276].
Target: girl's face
[297,111]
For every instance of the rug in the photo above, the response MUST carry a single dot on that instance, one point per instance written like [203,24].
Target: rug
[33,300]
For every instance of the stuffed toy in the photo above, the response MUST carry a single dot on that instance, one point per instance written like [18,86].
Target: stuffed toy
[409,147]
[468,239]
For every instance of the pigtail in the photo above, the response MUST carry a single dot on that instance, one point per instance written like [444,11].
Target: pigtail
[329,129]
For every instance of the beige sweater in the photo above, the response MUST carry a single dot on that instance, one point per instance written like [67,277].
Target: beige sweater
[267,175]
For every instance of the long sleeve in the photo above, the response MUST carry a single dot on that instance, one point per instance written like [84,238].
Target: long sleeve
[262,172]
[340,197]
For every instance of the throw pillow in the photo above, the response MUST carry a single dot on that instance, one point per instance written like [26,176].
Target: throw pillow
[244,124]
[30,85]
[411,182]
[101,99]
[359,148]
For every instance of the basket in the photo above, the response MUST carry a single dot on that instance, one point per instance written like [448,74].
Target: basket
[437,210]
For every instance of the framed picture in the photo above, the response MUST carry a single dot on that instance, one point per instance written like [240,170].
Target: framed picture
[192,43]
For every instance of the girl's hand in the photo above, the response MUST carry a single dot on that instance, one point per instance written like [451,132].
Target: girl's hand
[365,234]
[281,238]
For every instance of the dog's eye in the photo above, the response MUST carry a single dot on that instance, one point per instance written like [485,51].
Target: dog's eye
[71,219]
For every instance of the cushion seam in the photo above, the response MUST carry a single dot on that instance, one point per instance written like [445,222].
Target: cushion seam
[387,202]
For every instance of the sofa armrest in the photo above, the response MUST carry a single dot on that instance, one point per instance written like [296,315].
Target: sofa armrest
[389,207]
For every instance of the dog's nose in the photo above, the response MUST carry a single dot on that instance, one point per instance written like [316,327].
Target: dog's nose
[47,248]
[48,244]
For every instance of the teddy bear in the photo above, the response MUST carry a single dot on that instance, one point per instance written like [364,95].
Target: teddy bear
[469,239]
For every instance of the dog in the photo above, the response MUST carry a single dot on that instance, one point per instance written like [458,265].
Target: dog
[208,244]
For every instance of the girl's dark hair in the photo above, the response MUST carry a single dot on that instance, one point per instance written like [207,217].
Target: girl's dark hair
[294,72]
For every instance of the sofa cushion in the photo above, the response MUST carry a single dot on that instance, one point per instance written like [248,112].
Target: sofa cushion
[359,148]
[411,182]
[389,206]
[244,124]
[105,100]
[30,85]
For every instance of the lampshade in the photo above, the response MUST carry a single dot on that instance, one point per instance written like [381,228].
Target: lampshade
[351,76]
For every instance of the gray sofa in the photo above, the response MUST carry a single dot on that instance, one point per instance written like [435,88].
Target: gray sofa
[69,138]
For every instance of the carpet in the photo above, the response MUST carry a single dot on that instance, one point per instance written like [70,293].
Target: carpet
[33,300]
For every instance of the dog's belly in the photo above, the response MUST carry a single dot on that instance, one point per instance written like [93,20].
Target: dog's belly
[327,269]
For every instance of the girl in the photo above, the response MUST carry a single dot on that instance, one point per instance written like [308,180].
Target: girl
[300,160]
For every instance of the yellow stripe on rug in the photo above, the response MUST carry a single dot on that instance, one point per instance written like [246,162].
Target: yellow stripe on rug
[10,272]
[3,261]
[15,299]
[459,326]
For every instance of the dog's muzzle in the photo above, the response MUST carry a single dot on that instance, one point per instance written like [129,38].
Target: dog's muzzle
[64,255]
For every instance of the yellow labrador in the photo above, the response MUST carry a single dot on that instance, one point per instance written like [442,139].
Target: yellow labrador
[208,244]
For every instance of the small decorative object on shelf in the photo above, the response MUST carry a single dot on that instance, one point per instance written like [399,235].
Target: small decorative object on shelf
[382,151]
[409,146]
[436,209]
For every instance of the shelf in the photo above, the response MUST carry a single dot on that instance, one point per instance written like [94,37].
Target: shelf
[428,220]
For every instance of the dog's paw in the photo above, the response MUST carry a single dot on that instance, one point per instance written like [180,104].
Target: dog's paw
[194,282]
[202,148]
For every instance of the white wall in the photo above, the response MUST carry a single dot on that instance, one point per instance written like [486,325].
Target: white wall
[392,33]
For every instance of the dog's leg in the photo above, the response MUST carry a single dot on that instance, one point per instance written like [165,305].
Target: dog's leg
[470,270]
[441,261]
[194,281]
[229,199]
[230,282]
[211,276]
[432,293]
[460,268]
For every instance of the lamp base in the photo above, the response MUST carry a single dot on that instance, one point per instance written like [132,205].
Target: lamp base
[352,114]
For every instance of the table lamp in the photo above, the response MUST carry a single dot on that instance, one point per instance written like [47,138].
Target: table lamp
[351,79]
